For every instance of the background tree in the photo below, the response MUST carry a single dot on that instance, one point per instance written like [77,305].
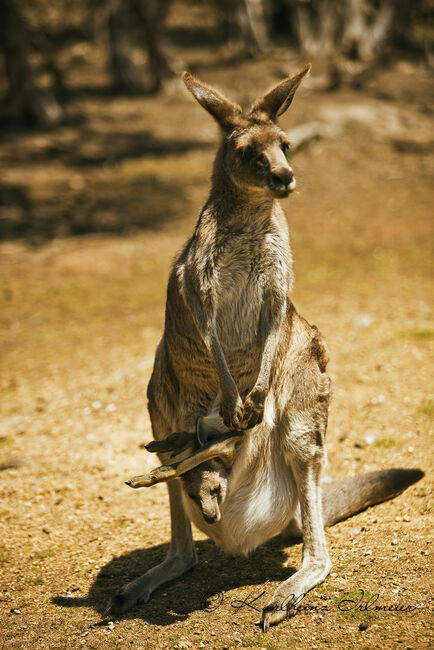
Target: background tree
[26,99]
[353,37]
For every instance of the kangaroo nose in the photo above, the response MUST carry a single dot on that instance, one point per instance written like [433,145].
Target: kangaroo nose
[211,518]
[283,179]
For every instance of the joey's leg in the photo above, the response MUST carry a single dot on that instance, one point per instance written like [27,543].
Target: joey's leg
[316,562]
[181,557]
[223,448]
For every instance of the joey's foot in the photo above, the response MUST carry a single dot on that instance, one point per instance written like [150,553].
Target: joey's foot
[253,409]
[175,442]
[157,475]
[232,413]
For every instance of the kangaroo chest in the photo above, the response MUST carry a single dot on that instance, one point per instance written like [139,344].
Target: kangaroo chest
[239,301]
[249,270]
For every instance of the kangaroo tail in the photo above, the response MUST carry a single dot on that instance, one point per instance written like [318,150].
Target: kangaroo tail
[343,499]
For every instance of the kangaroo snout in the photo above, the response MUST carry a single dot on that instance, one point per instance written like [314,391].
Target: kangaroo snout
[282,181]
[211,518]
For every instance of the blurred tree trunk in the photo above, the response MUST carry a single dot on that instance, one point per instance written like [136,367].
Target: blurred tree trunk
[27,101]
[42,43]
[351,34]
[355,28]
[246,20]
[120,25]
[364,35]
[128,22]
[317,24]
[411,13]
[162,65]
[403,22]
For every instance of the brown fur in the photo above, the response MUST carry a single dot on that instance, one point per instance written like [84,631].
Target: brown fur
[206,486]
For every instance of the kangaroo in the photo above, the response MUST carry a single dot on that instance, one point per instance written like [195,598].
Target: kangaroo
[232,331]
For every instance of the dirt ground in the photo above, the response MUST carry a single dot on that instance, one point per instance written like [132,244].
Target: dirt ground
[80,319]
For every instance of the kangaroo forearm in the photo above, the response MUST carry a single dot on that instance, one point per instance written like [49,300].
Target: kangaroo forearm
[227,384]
[263,380]
[271,328]
[204,315]
[254,405]
[202,307]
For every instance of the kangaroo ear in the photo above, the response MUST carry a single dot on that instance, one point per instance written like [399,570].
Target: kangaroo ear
[222,110]
[279,98]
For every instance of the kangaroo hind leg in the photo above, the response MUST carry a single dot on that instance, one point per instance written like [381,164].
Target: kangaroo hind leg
[305,457]
[180,557]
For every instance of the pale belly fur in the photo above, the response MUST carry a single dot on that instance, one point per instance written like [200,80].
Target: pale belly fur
[260,502]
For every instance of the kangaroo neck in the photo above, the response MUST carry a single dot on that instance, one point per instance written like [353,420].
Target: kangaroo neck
[234,206]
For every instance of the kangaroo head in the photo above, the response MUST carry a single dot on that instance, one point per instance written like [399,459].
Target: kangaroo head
[206,486]
[254,149]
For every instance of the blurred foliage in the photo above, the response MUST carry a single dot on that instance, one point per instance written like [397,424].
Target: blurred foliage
[135,34]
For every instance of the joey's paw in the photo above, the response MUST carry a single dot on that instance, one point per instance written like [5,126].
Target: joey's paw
[232,413]
[253,409]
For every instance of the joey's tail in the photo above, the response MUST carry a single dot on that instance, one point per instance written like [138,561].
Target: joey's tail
[345,498]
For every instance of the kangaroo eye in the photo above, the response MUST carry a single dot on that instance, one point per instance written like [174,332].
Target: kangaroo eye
[285,147]
[262,160]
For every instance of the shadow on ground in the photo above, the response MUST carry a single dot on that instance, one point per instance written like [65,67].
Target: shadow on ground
[90,147]
[118,207]
[107,201]
[203,588]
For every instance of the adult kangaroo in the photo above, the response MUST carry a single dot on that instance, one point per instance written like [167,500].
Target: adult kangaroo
[234,344]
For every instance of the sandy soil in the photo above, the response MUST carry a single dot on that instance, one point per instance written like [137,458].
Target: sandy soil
[79,322]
